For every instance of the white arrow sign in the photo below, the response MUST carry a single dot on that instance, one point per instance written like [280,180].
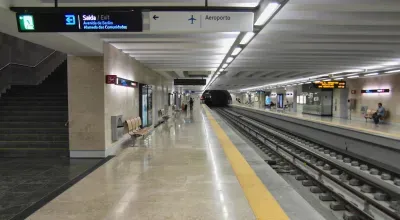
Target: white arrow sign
[202,21]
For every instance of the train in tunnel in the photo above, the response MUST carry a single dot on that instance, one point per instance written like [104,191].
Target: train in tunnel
[217,98]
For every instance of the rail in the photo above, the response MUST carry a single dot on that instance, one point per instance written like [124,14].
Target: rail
[318,165]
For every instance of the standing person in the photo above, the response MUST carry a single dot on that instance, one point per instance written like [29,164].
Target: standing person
[380,112]
[191,103]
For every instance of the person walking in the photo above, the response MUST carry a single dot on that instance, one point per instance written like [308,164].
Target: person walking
[191,103]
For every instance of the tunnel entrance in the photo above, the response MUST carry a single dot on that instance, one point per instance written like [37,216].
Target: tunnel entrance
[217,98]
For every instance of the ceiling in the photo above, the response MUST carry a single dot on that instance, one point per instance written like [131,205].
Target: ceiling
[314,37]
[305,38]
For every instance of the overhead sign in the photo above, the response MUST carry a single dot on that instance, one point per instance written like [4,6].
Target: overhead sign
[189,82]
[330,85]
[375,91]
[115,80]
[202,21]
[80,22]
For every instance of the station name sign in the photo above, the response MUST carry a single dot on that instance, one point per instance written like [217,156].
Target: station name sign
[115,80]
[130,21]
[330,85]
[375,91]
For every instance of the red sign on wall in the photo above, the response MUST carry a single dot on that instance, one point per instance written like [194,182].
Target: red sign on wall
[111,79]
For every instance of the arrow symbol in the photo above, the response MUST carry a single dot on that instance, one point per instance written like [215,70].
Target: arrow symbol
[155,17]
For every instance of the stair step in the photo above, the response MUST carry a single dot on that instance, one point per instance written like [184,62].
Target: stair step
[33,137]
[34,113]
[32,124]
[33,118]
[34,144]
[38,98]
[36,94]
[34,103]
[35,152]
[33,108]
[55,131]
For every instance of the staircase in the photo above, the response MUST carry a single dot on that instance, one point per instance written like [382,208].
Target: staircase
[33,118]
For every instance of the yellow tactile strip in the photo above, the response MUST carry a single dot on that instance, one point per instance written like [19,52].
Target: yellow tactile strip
[261,201]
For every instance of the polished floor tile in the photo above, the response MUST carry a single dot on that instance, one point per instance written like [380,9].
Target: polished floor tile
[178,172]
[25,181]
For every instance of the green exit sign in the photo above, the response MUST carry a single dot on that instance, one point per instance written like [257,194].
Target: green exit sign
[26,23]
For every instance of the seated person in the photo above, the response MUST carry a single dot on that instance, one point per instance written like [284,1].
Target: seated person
[380,112]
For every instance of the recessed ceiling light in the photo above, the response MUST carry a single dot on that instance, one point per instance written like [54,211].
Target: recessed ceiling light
[247,37]
[391,63]
[236,51]
[225,65]
[356,76]
[372,67]
[351,74]
[267,13]
[352,70]
[229,59]
[393,71]
[371,74]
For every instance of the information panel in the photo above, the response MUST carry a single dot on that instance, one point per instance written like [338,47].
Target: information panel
[330,85]
[205,21]
[80,22]
[375,90]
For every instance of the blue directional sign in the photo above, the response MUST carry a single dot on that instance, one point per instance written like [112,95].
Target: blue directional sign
[70,20]
[88,21]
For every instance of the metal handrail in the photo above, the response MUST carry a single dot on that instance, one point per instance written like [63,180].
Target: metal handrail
[18,64]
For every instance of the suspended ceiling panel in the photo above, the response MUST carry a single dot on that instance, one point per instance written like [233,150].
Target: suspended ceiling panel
[312,37]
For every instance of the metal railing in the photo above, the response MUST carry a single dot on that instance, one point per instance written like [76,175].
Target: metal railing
[28,66]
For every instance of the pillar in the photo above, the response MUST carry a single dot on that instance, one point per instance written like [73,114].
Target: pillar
[86,106]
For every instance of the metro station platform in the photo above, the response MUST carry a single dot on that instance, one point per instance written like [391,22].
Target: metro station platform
[385,130]
[192,167]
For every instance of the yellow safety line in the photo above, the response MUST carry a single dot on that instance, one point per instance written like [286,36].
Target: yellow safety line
[263,204]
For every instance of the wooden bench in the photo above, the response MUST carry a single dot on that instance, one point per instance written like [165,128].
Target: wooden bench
[134,127]
[369,113]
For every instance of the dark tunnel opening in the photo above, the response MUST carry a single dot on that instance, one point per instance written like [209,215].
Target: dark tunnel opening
[217,98]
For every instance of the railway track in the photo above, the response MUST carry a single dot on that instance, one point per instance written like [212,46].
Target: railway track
[354,187]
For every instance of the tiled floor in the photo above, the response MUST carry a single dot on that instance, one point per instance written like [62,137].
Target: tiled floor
[178,172]
[24,181]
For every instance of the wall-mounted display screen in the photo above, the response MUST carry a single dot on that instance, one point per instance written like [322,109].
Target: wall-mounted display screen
[267,100]
[375,91]
[330,85]
[130,21]
[279,100]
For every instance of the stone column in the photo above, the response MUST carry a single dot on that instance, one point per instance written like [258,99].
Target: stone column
[86,106]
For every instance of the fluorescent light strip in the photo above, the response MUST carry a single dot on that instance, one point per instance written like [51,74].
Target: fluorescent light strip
[224,66]
[371,74]
[372,67]
[393,71]
[352,74]
[338,78]
[267,13]
[236,51]
[350,77]
[229,59]
[247,37]
[391,63]
[327,80]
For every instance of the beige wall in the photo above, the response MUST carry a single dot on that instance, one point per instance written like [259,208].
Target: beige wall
[92,102]
[391,101]
[85,103]
[124,101]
